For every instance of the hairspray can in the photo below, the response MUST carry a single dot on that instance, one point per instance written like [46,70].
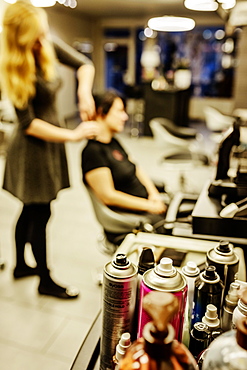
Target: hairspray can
[165,278]
[208,289]
[119,297]
[191,271]
[199,338]
[226,261]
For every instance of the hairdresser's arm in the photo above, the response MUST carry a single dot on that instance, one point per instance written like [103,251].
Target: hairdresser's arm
[85,76]
[100,180]
[48,132]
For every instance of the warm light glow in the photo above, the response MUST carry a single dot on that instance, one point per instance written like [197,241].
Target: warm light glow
[43,3]
[37,3]
[227,4]
[201,5]
[171,24]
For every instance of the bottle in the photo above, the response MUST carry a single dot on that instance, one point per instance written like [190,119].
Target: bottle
[208,289]
[229,350]
[199,338]
[231,302]
[166,278]
[121,349]
[158,349]
[241,309]
[191,272]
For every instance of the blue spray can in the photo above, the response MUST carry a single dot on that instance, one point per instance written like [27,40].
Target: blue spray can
[208,289]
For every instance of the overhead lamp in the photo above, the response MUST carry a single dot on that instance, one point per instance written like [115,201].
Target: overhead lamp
[201,5]
[37,3]
[43,3]
[227,4]
[169,23]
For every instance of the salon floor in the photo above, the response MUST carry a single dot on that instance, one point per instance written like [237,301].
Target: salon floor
[38,332]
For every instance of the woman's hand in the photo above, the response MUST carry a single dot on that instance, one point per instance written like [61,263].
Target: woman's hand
[86,130]
[87,107]
[156,206]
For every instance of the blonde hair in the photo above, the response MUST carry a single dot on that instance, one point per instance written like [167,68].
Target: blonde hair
[23,24]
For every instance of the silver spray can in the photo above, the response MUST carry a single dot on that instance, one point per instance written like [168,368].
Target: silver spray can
[119,297]
[226,261]
[165,278]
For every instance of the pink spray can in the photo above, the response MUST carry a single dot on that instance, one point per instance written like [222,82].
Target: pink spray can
[165,278]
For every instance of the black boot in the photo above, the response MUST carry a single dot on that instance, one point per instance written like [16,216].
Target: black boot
[48,287]
[24,271]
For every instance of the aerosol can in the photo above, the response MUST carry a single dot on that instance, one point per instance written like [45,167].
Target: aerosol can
[119,297]
[226,261]
[165,278]
[208,289]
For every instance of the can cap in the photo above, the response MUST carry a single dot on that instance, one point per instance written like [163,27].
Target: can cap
[122,346]
[232,296]
[165,267]
[224,246]
[191,269]
[200,330]
[146,260]
[210,274]
[211,317]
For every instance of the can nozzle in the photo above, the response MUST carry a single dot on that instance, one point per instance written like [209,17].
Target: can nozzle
[211,317]
[122,346]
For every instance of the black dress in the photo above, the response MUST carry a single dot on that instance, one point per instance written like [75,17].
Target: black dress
[113,156]
[35,169]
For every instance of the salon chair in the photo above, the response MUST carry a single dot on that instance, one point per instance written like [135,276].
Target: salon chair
[117,224]
[181,144]
[217,121]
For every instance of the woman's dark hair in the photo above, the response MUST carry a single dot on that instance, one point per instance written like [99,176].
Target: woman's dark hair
[103,102]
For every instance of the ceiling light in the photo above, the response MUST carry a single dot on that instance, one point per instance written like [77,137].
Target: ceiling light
[37,3]
[201,5]
[43,3]
[227,4]
[171,24]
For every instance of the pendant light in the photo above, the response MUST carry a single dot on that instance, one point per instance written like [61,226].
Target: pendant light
[209,5]
[201,5]
[37,3]
[169,23]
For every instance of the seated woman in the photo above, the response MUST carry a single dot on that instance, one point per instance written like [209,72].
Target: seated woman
[108,169]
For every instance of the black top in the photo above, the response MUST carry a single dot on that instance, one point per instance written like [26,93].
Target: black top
[37,169]
[113,156]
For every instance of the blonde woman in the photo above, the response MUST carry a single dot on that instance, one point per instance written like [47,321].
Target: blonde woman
[36,165]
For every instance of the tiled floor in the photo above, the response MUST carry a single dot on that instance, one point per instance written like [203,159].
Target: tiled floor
[39,332]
